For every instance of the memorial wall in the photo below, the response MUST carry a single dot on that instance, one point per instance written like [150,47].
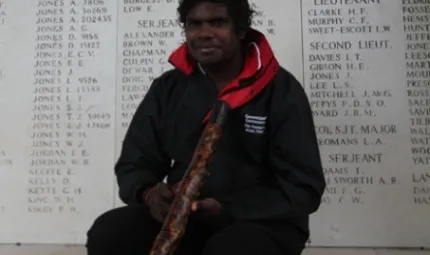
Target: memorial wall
[72,73]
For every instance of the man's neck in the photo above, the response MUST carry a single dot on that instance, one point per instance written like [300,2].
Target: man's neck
[222,73]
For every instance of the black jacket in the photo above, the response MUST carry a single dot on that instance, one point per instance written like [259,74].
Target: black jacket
[267,166]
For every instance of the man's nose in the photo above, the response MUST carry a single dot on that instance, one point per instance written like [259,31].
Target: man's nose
[206,30]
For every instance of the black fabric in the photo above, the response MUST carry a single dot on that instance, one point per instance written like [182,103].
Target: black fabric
[272,177]
[129,230]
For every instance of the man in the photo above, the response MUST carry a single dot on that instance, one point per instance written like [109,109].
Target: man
[266,176]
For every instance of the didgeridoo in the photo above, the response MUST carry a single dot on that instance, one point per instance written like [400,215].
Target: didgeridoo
[175,224]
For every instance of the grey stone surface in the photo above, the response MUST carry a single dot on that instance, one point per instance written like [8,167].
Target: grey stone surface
[80,250]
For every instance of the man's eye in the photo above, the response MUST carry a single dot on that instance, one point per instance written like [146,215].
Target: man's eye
[217,22]
[192,24]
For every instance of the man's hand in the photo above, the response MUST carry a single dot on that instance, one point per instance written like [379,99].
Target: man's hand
[207,207]
[158,199]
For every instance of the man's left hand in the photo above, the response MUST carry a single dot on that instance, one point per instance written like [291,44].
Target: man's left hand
[206,207]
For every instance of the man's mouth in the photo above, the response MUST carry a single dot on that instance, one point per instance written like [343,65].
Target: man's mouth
[207,49]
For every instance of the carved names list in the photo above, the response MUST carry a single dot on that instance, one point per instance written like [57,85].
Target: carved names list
[3,12]
[5,161]
[144,46]
[71,111]
[416,19]
[354,83]
[341,41]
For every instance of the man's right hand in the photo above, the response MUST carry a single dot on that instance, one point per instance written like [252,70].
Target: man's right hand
[158,199]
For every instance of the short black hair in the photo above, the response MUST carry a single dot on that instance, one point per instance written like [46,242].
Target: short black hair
[239,10]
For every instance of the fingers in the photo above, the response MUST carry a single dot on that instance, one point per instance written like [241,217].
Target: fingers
[164,210]
[175,187]
[201,205]
[157,216]
[163,204]
[160,210]
[160,199]
[207,206]
[165,192]
[194,206]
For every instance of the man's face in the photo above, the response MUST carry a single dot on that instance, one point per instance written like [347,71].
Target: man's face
[210,33]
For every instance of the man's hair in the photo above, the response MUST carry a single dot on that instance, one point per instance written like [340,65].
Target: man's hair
[239,10]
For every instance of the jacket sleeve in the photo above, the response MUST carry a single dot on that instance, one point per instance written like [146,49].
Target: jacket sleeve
[142,161]
[293,158]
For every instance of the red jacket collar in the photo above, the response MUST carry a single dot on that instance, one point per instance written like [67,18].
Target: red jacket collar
[260,65]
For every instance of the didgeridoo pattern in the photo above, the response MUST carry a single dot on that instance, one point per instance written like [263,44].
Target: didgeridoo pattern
[175,224]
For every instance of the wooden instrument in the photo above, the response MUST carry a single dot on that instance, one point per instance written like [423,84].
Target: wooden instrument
[176,221]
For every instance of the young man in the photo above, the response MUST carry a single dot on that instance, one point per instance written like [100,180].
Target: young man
[266,177]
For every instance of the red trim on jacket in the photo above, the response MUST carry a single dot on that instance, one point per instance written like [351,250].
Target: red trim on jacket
[260,64]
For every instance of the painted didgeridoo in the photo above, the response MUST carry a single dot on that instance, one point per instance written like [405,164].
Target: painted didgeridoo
[175,224]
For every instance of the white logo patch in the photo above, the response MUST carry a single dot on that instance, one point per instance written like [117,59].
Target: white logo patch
[255,124]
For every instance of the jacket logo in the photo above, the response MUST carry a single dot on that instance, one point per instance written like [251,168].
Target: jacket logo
[255,124]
